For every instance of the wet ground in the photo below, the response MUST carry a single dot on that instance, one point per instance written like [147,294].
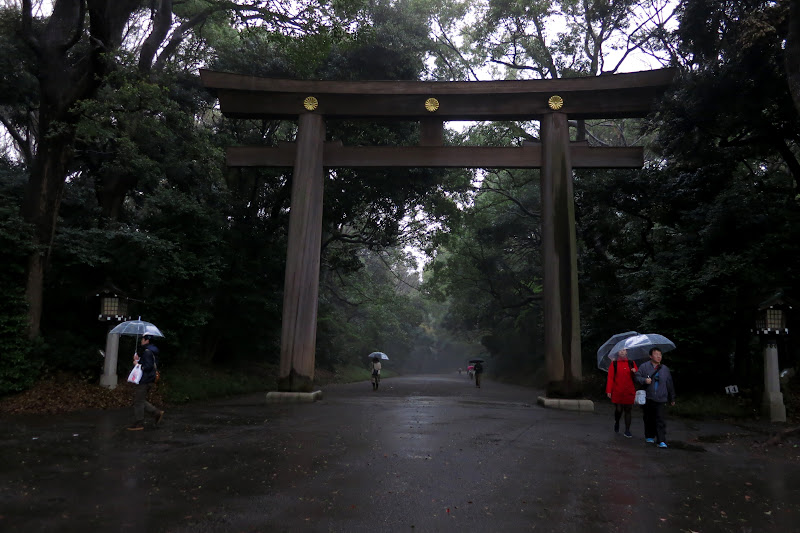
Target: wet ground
[429,453]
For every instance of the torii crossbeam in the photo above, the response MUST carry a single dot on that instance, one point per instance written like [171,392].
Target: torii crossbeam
[551,102]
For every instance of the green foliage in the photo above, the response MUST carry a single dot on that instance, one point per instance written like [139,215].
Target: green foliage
[373,309]
[548,38]
[490,275]
[18,369]
[350,373]
[196,382]
[713,407]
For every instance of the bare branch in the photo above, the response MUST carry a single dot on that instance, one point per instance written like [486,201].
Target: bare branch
[162,21]
[22,142]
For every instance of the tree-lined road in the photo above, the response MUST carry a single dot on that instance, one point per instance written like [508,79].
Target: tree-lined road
[424,453]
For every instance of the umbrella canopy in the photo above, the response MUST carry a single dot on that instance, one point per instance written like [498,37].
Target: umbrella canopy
[477,361]
[639,346]
[603,354]
[379,355]
[137,327]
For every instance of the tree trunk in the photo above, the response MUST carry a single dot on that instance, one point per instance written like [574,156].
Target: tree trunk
[67,74]
[792,53]
[42,200]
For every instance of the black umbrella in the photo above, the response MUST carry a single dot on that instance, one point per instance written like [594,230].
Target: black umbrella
[477,361]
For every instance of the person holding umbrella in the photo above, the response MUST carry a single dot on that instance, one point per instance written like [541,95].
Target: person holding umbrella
[146,357]
[478,371]
[621,390]
[375,367]
[660,391]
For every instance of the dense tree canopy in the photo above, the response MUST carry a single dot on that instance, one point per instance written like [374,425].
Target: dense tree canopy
[113,173]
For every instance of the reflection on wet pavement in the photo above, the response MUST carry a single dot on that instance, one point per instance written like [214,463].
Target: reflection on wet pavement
[424,453]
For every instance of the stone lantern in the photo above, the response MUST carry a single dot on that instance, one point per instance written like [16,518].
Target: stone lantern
[113,310]
[770,325]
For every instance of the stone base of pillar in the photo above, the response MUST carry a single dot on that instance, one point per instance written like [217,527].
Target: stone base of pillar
[563,389]
[295,382]
[772,406]
[585,406]
[293,397]
[109,382]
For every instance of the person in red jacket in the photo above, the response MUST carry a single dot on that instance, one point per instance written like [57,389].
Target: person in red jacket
[620,389]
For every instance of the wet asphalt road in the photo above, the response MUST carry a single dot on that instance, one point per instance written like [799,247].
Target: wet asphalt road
[422,454]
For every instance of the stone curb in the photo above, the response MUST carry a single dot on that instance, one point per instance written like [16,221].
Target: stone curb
[584,406]
[293,397]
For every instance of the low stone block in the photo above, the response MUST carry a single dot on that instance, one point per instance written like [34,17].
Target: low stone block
[584,406]
[293,397]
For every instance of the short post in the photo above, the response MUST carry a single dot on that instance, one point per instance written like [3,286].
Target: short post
[772,404]
[109,377]
[113,309]
[771,324]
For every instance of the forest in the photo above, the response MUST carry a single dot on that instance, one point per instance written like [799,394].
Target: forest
[113,178]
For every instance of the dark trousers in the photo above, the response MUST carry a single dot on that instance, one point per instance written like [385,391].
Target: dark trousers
[140,403]
[655,426]
[477,379]
[619,409]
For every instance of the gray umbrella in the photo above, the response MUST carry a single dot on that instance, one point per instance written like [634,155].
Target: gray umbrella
[379,355]
[137,328]
[603,354]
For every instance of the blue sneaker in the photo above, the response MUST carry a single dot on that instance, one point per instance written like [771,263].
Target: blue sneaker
[650,441]
[662,444]
[628,434]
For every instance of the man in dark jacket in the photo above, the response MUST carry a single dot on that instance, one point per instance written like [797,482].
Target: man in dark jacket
[145,356]
[657,379]
[478,373]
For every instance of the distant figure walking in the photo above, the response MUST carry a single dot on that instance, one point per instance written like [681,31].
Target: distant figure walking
[660,391]
[621,390]
[478,373]
[376,373]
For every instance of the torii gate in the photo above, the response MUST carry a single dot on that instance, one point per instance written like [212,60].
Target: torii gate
[432,103]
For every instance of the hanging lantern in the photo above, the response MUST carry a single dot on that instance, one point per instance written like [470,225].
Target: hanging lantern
[771,316]
[113,306]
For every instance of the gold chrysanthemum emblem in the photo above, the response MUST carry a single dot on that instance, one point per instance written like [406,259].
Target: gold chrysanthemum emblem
[555,102]
[431,104]
[310,103]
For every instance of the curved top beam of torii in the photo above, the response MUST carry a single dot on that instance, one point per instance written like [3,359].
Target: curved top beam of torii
[607,96]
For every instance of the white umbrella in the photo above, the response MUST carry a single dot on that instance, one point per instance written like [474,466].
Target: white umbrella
[639,346]
[137,328]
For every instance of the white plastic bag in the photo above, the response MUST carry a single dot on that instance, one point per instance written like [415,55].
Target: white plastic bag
[641,397]
[136,374]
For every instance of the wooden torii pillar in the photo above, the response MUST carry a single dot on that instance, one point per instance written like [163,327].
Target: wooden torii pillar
[551,102]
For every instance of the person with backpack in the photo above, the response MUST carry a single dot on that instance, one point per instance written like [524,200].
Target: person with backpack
[660,391]
[621,390]
[376,373]
[146,357]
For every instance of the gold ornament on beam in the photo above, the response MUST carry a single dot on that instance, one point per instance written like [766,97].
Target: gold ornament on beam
[310,103]
[431,104]
[555,102]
